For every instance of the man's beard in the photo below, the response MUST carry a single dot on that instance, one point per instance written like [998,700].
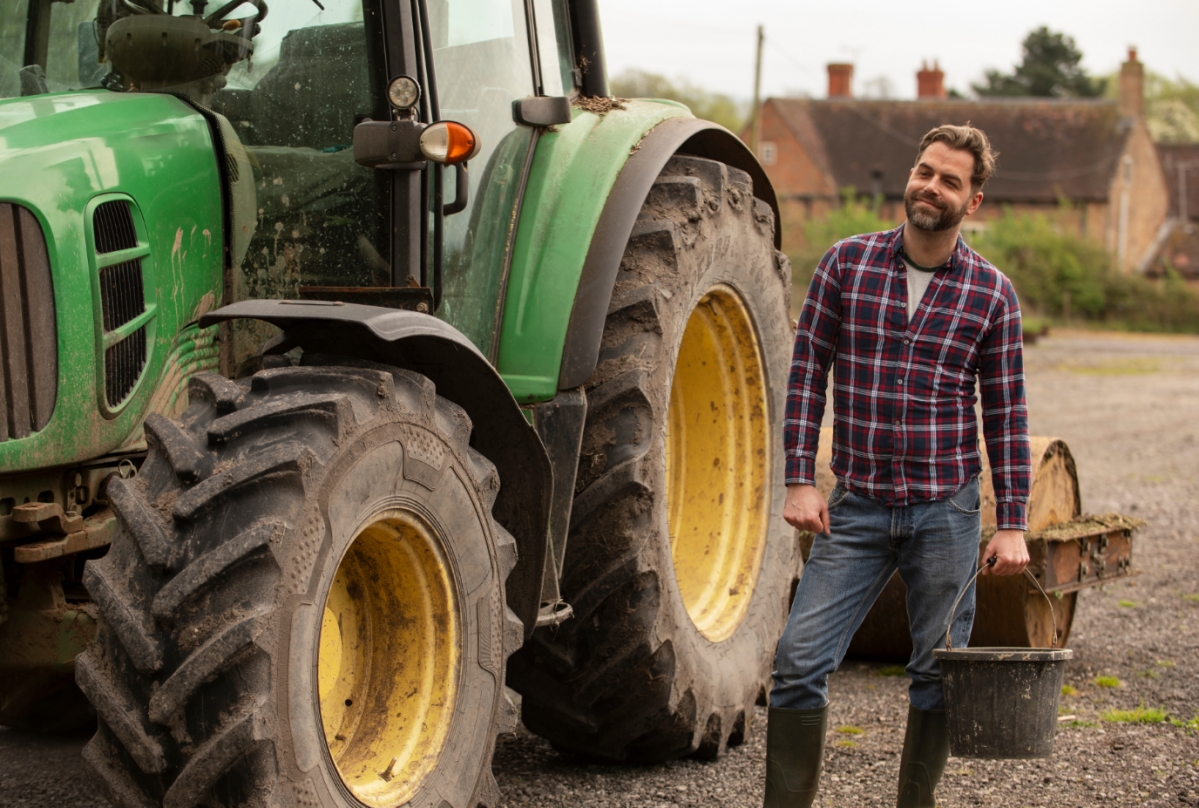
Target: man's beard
[946,219]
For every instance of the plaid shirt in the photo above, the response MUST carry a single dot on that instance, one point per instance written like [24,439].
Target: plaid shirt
[905,429]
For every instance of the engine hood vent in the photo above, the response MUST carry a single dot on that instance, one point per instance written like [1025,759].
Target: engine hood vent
[121,254]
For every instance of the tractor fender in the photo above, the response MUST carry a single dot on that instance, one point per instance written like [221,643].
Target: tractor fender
[585,185]
[426,345]
[673,136]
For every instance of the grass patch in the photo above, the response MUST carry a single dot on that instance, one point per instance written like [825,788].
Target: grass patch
[890,670]
[1191,726]
[1080,724]
[1194,598]
[1140,715]
[1149,674]
[1108,681]
[1123,367]
[1164,663]
[846,743]
[849,729]
[1069,690]
[1128,604]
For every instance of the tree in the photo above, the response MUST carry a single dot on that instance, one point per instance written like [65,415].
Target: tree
[1050,69]
[1172,109]
[710,106]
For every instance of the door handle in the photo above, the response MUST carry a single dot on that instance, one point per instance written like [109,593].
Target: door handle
[461,191]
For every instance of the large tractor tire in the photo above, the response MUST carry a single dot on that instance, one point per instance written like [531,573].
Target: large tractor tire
[678,561]
[304,604]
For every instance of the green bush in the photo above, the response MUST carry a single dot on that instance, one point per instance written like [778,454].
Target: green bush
[1064,277]
[856,215]
[1054,274]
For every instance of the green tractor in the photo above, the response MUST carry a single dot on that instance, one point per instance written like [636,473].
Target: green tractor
[312,438]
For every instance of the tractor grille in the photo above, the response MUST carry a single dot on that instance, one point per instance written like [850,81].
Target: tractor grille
[123,365]
[122,298]
[28,332]
[113,227]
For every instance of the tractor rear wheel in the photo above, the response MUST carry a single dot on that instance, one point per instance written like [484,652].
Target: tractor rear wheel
[678,560]
[304,604]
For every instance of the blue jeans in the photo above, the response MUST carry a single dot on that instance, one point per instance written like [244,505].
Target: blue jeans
[934,545]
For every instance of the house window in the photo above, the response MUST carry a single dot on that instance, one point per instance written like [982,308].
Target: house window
[769,153]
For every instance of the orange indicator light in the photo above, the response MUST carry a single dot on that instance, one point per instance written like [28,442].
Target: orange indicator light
[448,142]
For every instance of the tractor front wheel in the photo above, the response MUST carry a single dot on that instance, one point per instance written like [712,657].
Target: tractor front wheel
[304,604]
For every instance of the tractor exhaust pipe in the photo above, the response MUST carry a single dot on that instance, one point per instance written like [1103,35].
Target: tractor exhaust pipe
[591,72]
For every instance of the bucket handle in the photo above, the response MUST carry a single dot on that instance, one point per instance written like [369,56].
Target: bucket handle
[990,562]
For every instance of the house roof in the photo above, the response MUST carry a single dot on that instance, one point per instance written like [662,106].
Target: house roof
[1172,156]
[1048,149]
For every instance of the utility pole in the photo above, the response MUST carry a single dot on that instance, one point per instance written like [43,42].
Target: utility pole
[756,131]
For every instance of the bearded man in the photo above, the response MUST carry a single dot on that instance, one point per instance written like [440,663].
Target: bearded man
[908,319]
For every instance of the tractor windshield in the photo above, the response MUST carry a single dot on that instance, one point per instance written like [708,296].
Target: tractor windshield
[48,47]
[190,47]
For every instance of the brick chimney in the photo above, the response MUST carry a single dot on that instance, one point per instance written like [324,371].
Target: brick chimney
[930,83]
[1132,86]
[840,77]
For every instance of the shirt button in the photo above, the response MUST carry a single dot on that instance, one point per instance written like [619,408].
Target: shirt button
[897,424]
[901,381]
[907,342]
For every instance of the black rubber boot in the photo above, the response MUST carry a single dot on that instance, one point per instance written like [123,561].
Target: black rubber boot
[794,755]
[925,750]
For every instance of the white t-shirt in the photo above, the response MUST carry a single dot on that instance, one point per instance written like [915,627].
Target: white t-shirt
[918,281]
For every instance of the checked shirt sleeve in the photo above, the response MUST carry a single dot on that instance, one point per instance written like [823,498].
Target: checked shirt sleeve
[1005,414]
[815,342]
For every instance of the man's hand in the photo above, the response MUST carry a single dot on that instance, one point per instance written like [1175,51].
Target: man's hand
[1009,549]
[806,509]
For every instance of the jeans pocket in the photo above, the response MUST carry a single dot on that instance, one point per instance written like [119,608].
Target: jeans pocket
[840,492]
[967,499]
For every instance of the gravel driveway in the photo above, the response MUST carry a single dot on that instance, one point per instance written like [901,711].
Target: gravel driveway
[1128,406]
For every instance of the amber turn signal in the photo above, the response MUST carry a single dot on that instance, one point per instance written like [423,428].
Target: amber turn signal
[448,142]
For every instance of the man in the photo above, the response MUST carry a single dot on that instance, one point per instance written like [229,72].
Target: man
[907,319]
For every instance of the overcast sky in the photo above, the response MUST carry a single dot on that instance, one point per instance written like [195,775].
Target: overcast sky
[711,42]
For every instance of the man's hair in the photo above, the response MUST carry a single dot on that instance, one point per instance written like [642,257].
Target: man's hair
[968,139]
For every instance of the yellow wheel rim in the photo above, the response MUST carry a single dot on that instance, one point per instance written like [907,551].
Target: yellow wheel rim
[718,463]
[388,659]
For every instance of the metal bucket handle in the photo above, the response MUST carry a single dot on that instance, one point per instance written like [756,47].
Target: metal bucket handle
[990,562]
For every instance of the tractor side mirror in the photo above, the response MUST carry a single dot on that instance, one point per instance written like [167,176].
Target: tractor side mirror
[389,144]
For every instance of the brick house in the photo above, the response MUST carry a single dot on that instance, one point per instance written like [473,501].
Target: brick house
[1096,155]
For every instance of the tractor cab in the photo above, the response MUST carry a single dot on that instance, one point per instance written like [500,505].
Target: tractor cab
[289,81]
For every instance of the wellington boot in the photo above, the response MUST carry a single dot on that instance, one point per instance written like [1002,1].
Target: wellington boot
[925,750]
[794,755]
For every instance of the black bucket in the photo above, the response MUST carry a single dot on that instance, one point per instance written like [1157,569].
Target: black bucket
[1001,703]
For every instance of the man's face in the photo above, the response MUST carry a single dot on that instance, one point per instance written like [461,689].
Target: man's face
[939,194]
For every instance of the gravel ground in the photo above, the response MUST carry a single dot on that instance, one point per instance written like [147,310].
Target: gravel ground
[1128,406]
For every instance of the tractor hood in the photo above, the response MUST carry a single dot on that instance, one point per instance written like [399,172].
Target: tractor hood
[111,243]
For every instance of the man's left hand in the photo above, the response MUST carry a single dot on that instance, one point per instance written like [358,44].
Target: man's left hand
[1010,552]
